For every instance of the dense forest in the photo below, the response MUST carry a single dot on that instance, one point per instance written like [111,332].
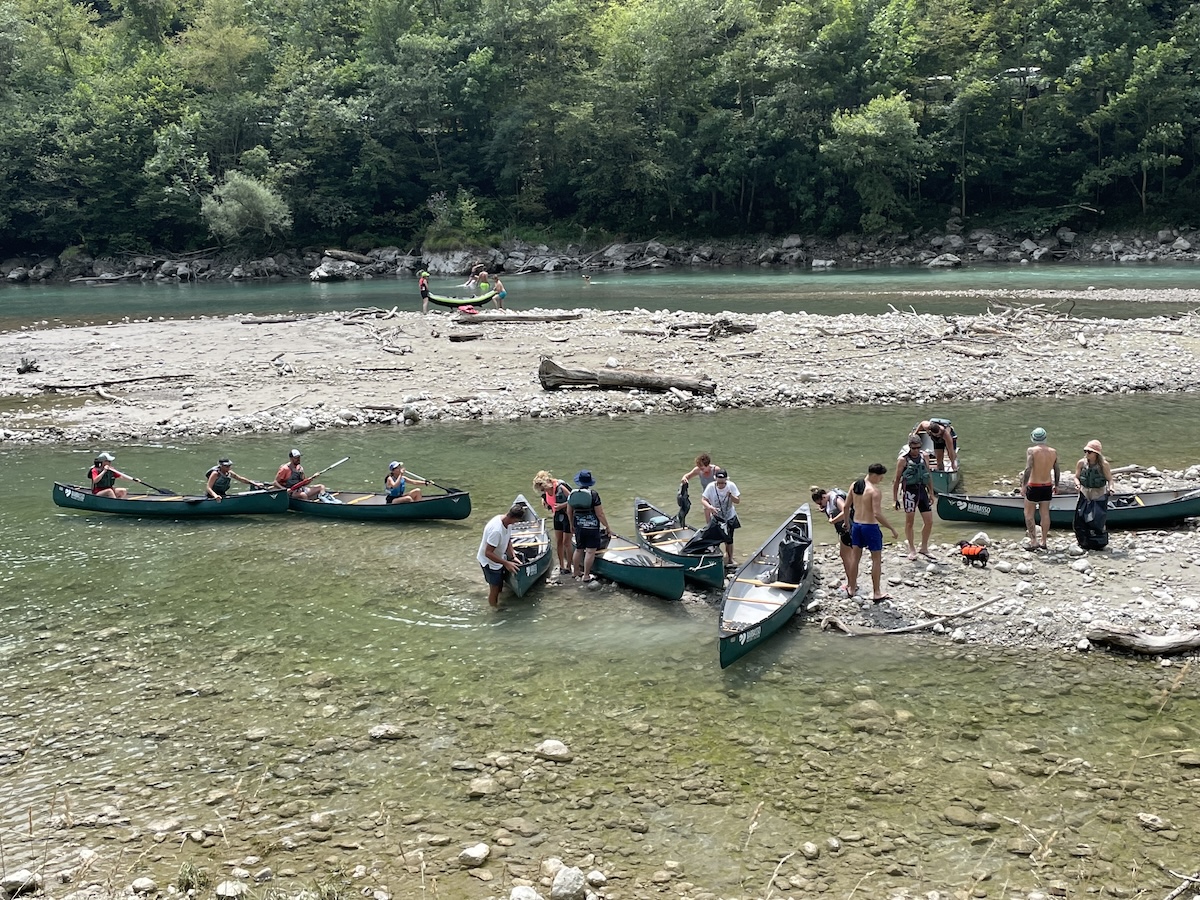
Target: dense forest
[134,125]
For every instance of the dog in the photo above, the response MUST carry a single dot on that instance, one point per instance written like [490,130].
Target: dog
[973,554]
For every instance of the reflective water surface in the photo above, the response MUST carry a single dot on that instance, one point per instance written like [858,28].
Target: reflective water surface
[205,691]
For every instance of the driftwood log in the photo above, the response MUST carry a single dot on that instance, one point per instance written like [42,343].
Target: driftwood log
[349,256]
[553,376]
[512,318]
[110,382]
[1139,642]
[833,623]
[459,336]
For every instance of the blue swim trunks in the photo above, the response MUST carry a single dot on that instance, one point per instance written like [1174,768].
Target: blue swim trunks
[869,537]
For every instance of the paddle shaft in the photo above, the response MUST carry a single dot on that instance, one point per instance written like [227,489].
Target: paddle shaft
[435,484]
[149,485]
[318,474]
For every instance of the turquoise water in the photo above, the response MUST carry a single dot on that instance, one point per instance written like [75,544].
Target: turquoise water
[747,290]
[220,678]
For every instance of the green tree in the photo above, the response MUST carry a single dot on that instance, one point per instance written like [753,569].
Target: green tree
[243,209]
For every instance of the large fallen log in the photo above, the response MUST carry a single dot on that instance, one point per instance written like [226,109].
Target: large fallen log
[350,256]
[553,376]
[513,318]
[88,385]
[1139,642]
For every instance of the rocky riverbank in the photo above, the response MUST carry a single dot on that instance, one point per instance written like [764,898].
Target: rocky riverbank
[171,380]
[940,248]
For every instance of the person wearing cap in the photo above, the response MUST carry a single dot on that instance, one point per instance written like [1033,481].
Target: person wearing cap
[720,499]
[104,478]
[496,556]
[423,284]
[290,477]
[221,476]
[945,440]
[396,483]
[586,513]
[1039,482]
[912,473]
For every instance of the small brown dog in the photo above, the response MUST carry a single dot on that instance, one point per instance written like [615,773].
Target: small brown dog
[973,554]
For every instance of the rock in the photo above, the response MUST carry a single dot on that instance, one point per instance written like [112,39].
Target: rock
[485,786]
[960,816]
[553,750]
[981,539]
[596,878]
[523,892]
[944,261]
[20,882]
[958,636]
[569,884]
[809,850]
[386,732]
[231,890]
[475,855]
[1083,645]
[144,886]
[301,424]
[1151,822]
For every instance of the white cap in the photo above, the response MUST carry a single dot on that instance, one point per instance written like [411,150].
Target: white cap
[394,465]
[295,454]
[107,457]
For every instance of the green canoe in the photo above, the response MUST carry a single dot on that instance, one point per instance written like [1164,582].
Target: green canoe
[665,537]
[632,566]
[945,481]
[1153,509]
[358,506]
[171,506]
[531,544]
[767,589]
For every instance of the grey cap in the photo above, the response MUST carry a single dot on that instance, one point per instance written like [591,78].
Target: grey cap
[224,461]
[106,457]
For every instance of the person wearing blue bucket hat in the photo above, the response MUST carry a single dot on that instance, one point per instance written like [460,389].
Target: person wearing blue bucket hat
[587,517]
[1039,482]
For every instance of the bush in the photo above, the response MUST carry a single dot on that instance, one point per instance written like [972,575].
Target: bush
[243,209]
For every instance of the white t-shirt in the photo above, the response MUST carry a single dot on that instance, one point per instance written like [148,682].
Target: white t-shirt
[495,534]
[722,499]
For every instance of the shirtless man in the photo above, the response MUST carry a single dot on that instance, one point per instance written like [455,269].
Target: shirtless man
[865,504]
[1039,482]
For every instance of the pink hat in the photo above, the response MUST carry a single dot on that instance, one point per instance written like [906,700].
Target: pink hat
[1093,447]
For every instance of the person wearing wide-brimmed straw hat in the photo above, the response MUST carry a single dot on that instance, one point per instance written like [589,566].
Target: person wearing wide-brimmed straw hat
[1093,473]
[1094,477]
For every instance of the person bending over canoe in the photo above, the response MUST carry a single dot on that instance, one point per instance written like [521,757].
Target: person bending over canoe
[834,502]
[496,556]
[221,476]
[397,481]
[720,499]
[104,478]
[587,516]
[554,496]
[290,475]
[945,441]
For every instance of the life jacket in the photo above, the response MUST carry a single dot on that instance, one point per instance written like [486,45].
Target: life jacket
[557,493]
[916,471]
[831,507]
[295,476]
[1092,477]
[221,485]
[970,551]
[101,478]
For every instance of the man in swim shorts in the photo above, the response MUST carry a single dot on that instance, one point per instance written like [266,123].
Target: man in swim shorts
[866,506]
[1039,483]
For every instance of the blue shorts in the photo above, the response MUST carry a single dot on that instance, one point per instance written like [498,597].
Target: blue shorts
[869,537]
[492,575]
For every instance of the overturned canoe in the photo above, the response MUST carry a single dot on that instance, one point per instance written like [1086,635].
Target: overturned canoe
[361,506]
[531,545]
[171,506]
[459,302]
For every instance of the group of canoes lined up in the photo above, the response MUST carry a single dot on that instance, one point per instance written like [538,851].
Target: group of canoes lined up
[665,554]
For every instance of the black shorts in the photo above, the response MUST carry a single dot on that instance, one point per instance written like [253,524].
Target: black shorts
[843,534]
[492,576]
[1039,493]
[587,538]
[916,499]
[562,522]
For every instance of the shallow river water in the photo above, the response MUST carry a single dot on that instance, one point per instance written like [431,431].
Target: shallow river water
[205,692]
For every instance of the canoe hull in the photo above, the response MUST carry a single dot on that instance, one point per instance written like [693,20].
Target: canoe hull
[706,570]
[1152,509]
[163,506]
[756,606]
[357,506]
[456,302]
[531,543]
[635,567]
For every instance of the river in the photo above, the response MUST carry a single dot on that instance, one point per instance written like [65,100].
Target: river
[203,693]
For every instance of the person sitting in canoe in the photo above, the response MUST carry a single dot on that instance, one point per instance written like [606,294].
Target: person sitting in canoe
[221,476]
[104,478]
[397,482]
[290,477]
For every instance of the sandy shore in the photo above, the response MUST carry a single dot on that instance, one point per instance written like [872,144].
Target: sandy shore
[158,380]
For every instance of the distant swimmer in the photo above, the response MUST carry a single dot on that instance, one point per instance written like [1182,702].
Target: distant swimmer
[587,279]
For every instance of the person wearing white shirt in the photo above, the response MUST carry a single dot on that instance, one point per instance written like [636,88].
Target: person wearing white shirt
[495,555]
[719,499]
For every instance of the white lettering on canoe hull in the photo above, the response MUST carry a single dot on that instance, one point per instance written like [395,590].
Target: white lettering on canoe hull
[979,509]
[531,569]
[74,495]
[752,635]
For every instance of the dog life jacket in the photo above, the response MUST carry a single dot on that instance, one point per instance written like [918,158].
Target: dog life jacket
[971,551]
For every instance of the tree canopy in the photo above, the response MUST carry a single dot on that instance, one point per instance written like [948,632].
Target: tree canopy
[135,125]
